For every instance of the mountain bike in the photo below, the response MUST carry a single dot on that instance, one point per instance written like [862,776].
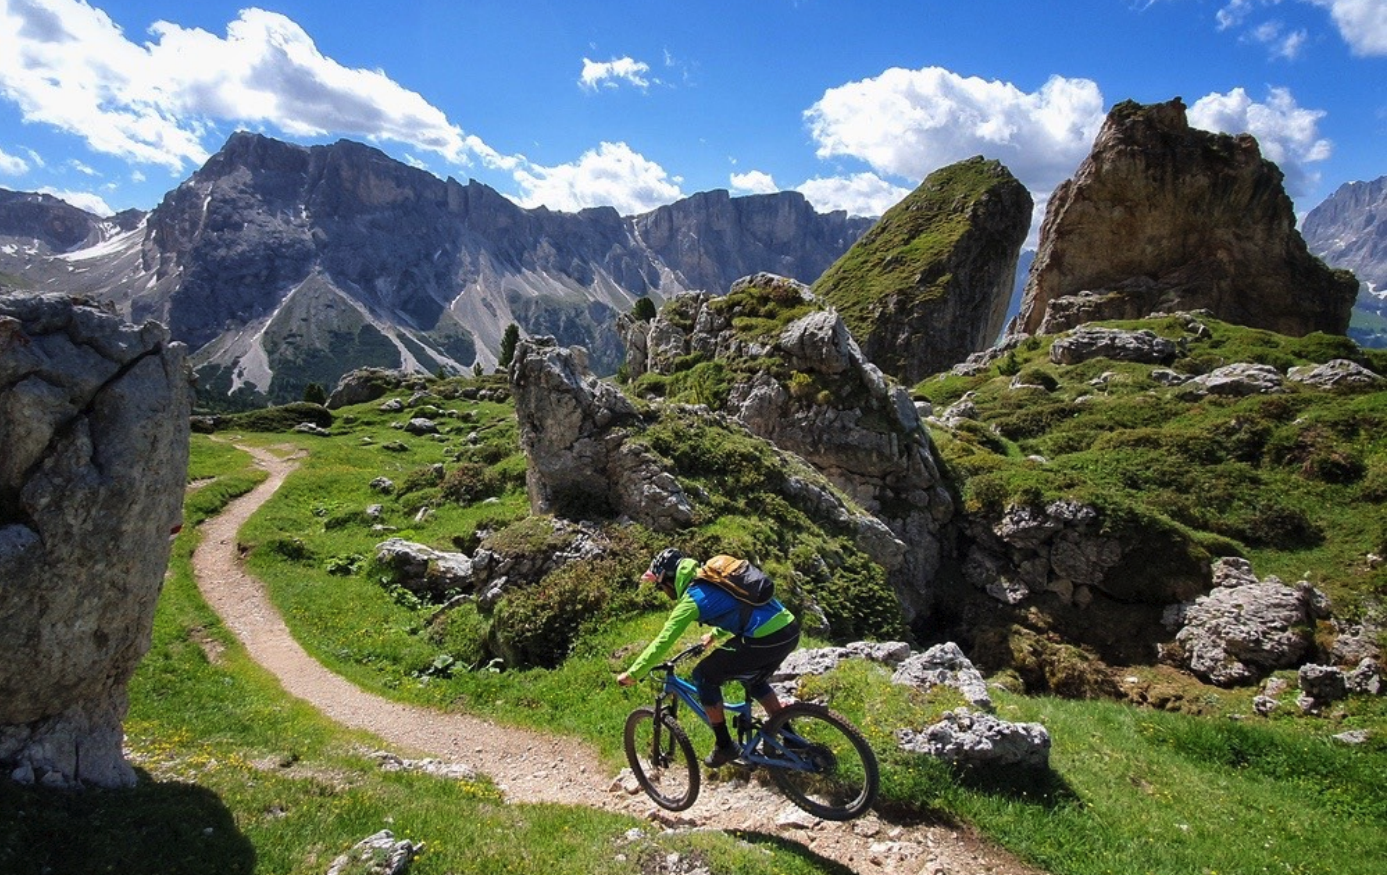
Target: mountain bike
[814,755]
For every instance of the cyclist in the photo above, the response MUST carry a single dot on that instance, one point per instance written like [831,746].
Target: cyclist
[749,652]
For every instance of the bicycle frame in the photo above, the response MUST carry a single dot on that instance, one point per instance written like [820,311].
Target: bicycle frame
[751,737]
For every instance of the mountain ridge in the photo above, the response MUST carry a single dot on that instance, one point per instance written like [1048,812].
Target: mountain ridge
[282,265]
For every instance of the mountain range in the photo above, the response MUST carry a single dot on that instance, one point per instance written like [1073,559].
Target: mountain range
[1349,230]
[282,265]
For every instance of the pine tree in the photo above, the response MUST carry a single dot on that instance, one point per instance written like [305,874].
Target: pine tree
[508,341]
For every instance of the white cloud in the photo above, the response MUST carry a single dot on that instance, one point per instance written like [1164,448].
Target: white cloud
[84,169]
[1273,35]
[862,194]
[68,65]
[12,165]
[611,74]
[1362,23]
[82,200]
[908,123]
[1287,133]
[1234,14]
[753,182]
[610,175]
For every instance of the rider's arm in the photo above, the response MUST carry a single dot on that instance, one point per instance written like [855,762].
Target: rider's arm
[683,613]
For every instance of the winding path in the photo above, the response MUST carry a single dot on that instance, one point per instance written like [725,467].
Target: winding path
[535,767]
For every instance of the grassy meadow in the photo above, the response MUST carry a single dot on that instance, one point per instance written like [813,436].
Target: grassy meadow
[235,777]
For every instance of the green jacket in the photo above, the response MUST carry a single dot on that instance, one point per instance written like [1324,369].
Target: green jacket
[685,611]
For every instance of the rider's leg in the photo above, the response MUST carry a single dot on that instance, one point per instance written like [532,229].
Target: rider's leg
[708,676]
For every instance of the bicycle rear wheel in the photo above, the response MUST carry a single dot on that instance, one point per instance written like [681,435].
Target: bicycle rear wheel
[662,759]
[827,768]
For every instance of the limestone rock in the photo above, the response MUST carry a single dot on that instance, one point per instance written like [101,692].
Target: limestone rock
[1238,633]
[970,739]
[378,854]
[1235,380]
[1162,217]
[1090,342]
[94,425]
[1335,374]
[808,389]
[929,284]
[945,665]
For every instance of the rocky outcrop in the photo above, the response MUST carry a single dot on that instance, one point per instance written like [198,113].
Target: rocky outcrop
[1244,628]
[1162,217]
[929,284]
[589,457]
[94,428]
[967,736]
[573,429]
[806,387]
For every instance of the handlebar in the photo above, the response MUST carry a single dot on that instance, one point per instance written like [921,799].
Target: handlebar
[668,665]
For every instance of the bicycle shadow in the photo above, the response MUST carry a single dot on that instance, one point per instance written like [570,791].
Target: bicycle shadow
[164,827]
[789,845]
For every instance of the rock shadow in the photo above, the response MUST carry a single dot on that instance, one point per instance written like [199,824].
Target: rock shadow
[169,828]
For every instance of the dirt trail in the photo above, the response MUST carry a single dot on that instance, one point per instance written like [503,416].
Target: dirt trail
[531,766]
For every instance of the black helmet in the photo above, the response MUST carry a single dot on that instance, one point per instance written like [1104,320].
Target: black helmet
[663,565]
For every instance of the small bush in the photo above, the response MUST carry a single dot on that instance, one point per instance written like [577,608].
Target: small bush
[470,482]
[426,477]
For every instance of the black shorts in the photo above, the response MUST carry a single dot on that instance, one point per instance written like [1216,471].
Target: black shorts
[749,660]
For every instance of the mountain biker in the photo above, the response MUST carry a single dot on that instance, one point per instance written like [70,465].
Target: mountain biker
[750,655]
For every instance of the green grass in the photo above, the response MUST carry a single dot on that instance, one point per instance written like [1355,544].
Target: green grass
[1130,790]
[235,777]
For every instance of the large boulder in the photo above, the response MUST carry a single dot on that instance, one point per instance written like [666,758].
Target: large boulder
[94,421]
[573,429]
[929,284]
[1244,628]
[1163,217]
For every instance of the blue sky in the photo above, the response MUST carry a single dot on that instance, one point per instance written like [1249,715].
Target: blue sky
[579,103]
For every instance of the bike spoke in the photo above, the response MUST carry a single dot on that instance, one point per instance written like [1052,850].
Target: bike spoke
[822,762]
[662,759]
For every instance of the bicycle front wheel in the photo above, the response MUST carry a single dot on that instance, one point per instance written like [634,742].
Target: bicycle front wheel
[662,759]
[827,767]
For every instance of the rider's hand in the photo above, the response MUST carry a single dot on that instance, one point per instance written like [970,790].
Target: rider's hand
[625,679]
[707,640]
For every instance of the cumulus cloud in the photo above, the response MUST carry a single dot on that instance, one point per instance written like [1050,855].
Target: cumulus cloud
[610,74]
[753,182]
[12,165]
[1362,24]
[68,65]
[610,175]
[861,194]
[1287,133]
[907,123]
[82,200]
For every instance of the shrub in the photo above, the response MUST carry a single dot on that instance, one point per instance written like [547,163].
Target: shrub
[272,419]
[538,625]
[471,482]
[426,477]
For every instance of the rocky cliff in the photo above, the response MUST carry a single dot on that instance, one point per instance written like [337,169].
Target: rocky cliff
[929,284]
[282,265]
[1161,217]
[94,426]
